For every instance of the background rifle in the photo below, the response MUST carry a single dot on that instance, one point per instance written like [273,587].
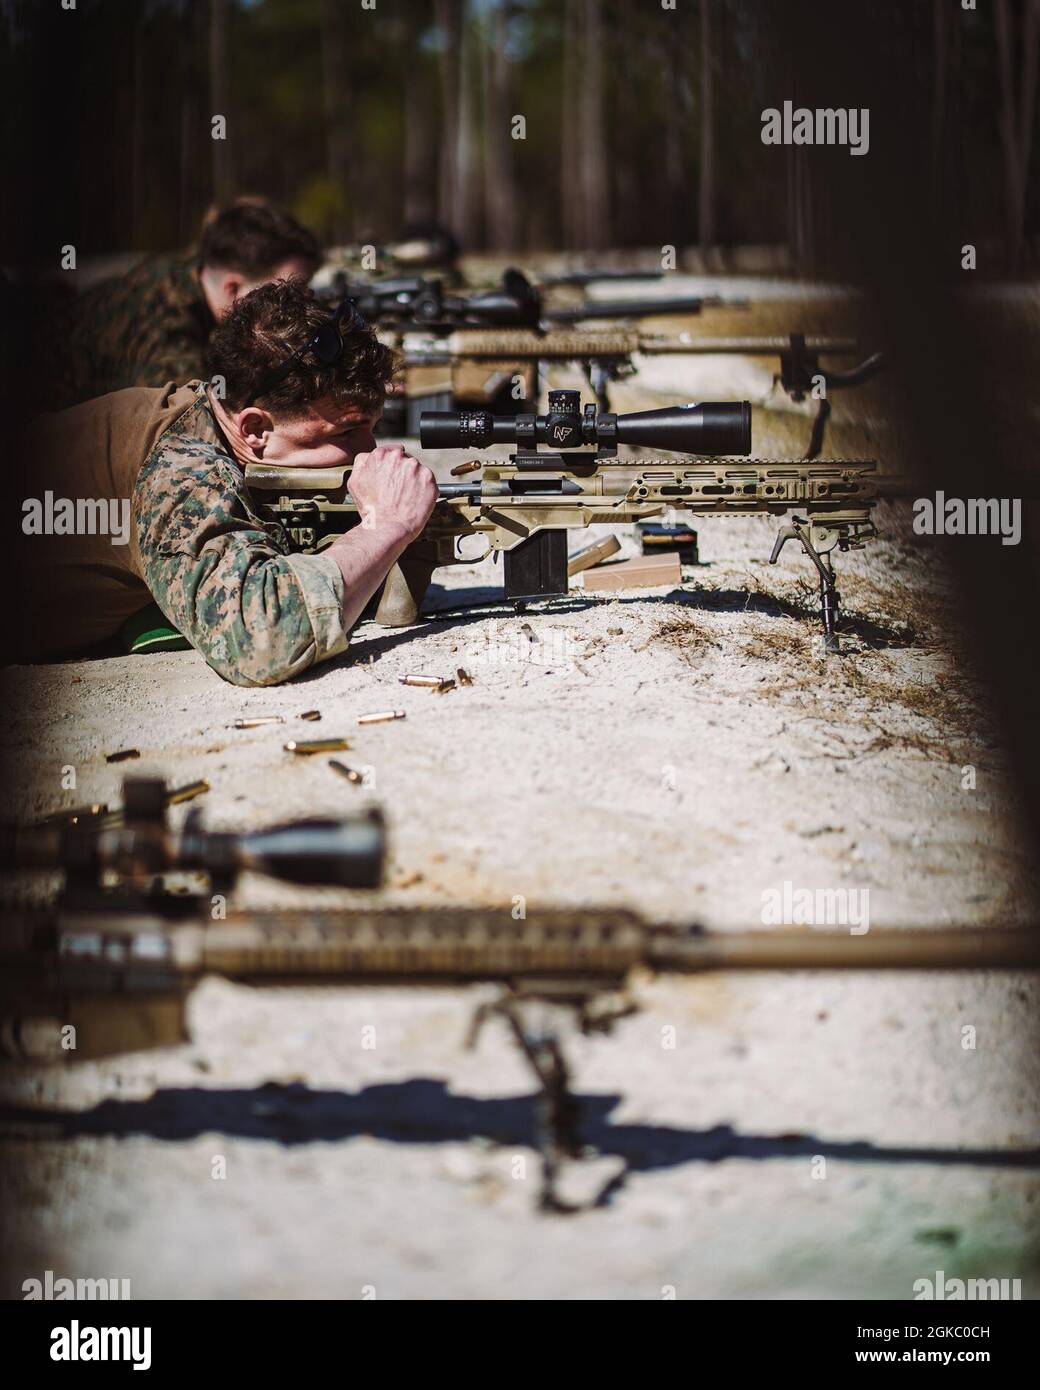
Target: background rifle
[524,507]
[414,302]
[578,279]
[118,969]
[606,356]
[474,324]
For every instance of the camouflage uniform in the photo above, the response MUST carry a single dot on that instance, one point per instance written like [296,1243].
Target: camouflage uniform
[221,575]
[141,329]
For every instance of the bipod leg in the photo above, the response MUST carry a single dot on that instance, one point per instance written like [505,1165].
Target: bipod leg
[556,1108]
[798,530]
[829,602]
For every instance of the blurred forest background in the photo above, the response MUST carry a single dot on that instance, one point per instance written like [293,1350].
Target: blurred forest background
[643,120]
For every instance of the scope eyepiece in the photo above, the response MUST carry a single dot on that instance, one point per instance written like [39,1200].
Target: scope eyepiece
[706,428]
[460,429]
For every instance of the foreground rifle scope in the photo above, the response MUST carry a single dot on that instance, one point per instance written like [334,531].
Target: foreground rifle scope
[712,427]
[348,852]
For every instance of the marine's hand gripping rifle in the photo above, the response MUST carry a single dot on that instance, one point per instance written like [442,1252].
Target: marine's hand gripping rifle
[524,507]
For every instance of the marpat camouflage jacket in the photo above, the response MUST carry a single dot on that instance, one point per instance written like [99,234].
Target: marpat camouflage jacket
[222,575]
[141,329]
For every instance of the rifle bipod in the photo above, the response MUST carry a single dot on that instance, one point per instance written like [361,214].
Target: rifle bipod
[525,1008]
[817,541]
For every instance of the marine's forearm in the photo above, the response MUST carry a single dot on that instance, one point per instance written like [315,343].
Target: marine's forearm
[365,555]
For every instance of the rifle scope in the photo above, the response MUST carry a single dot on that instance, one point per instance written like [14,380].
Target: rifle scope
[711,427]
[347,852]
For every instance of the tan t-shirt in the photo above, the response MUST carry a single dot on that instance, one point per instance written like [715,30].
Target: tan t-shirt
[136,496]
[80,466]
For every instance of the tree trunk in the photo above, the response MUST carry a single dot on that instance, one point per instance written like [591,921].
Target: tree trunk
[674,57]
[448,15]
[499,190]
[706,210]
[336,87]
[1016,126]
[940,65]
[628,150]
[220,91]
[800,211]
[594,229]
[138,154]
[570,137]
[194,133]
[420,175]
[466,219]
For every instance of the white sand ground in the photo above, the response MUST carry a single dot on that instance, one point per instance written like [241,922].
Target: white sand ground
[678,752]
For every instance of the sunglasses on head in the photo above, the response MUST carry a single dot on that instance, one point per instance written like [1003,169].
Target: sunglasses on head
[326,346]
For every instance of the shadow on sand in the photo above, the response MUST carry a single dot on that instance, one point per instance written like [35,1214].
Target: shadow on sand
[424,1111]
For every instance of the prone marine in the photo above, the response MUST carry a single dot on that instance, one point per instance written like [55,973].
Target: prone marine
[153,324]
[297,387]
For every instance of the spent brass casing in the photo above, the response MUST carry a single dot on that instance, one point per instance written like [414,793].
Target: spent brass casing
[187,793]
[75,814]
[122,755]
[463,677]
[443,687]
[317,745]
[382,717]
[257,721]
[116,820]
[461,469]
[350,773]
[312,714]
[421,680]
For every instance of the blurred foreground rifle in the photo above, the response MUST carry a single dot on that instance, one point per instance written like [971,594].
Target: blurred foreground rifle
[117,967]
[524,507]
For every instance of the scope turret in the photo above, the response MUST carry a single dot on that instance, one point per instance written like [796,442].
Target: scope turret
[710,427]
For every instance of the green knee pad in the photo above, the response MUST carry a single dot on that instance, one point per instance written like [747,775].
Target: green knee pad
[149,631]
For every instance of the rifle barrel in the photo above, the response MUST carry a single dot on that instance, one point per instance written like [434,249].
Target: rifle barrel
[479,943]
[358,947]
[954,948]
[626,308]
[748,346]
[590,277]
[479,344]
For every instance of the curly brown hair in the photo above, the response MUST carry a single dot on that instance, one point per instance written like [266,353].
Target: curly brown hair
[265,327]
[254,237]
